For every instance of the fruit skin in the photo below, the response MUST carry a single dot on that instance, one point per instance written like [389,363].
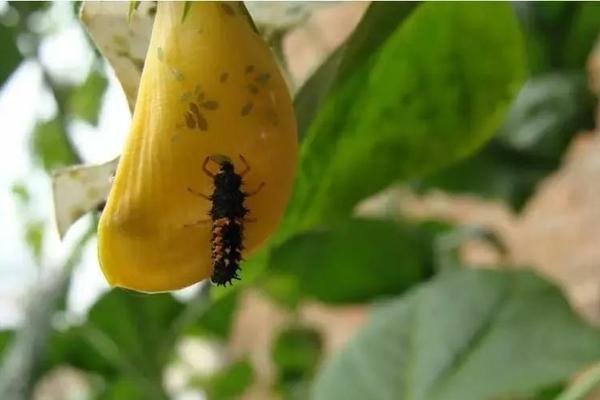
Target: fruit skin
[210,86]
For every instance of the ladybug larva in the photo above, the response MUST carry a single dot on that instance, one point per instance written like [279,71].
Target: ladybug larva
[209,86]
[228,216]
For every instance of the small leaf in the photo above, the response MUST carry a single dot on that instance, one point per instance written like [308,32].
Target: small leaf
[86,100]
[186,9]
[79,189]
[5,338]
[50,146]
[21,193]
[468,335]
[231,382]
[583,34]
[296,353]
[133,6]
[34,237]
[11,57]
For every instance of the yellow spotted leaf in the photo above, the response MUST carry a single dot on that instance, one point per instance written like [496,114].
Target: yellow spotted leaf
[210,87]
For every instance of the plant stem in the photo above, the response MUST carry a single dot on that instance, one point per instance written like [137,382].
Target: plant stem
[23,355]
[583,386]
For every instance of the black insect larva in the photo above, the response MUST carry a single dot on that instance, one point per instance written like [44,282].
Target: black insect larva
[228,216]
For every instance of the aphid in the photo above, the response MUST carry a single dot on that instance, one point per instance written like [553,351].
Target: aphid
[228,216]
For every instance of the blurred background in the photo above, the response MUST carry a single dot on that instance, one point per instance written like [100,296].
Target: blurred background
[534,186]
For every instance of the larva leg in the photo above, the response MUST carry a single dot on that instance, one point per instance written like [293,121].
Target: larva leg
[199,194]
[246,165]
[255,191]
[205,167]
[197,223]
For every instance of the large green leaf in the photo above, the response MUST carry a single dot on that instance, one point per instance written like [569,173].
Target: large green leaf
[552,107]
[353,261]
[379,21]
[466,335]
[76,348]
[136,324]
[433,92]
[126,334]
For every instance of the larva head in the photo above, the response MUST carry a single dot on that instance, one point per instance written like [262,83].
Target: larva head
[220,159]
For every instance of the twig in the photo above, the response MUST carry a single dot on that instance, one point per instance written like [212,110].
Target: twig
[23,355]
[583,386]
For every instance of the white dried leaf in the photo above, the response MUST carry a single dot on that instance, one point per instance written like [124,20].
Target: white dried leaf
[80,189]
[281,16]
[122,41]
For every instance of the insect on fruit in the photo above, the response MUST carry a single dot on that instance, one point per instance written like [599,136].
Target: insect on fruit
[238,103]
[228,216]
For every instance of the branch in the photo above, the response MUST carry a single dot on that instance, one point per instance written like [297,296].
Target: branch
[23,355]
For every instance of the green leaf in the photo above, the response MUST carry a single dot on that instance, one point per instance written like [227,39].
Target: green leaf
[218,318]
[468,335]
[550,393]
[85,101]
[122,388]
[49,145]
[231,382]
[309,98]
[560,35]
[583,34]
[434,91]
[380,20]
[136,324]
[545,114]
[34,237]
[186,9]
[5,338]
[549,111]
[75,348]
[126,335]
[20,192]
[11,57]
[133,6]
[296,353]
[354,261]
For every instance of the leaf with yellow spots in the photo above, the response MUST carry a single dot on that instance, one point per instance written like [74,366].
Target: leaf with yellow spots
[145,241]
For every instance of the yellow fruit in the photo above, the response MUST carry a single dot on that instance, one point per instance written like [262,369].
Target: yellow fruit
[209,86]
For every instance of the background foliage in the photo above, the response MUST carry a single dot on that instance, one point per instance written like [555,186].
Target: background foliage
[471,98]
